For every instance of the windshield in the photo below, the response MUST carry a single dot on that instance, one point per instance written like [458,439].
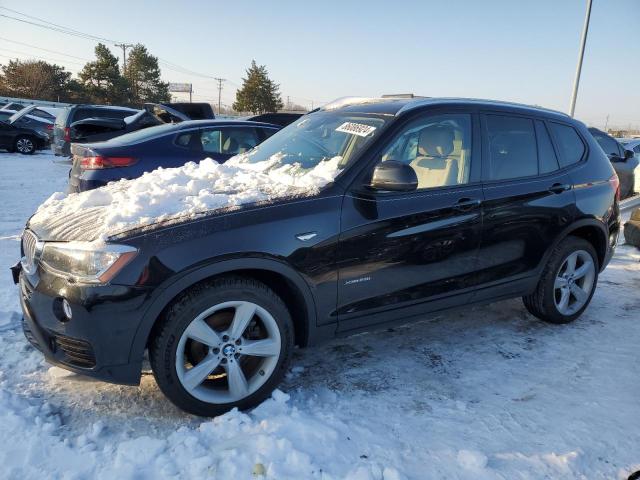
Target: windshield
[314,139]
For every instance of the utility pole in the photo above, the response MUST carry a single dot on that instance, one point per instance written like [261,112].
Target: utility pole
[583,42]
[124,47]
[220,82]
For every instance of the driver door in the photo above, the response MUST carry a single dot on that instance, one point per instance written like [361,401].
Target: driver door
[406,253]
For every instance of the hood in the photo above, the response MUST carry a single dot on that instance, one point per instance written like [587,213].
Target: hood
[21,113]
[175,195]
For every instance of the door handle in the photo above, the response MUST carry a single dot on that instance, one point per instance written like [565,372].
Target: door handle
[466,204]
[559,187]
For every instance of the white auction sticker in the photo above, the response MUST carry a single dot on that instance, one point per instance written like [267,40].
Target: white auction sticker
[359,129]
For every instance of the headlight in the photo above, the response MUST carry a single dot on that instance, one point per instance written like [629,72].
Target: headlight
[85,262]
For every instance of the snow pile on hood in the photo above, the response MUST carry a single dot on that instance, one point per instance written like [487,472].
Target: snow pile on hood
[168,193]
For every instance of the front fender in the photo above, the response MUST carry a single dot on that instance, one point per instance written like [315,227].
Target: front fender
[165,294]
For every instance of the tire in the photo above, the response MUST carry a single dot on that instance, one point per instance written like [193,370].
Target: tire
[25,145]
[558,282]
[183,348]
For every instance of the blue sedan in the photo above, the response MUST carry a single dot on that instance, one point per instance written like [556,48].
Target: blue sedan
[129,156]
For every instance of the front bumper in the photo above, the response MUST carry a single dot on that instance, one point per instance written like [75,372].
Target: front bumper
[97,340]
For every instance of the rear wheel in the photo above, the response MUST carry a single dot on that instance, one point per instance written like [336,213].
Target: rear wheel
[222,345]
[25,144]
[567,283]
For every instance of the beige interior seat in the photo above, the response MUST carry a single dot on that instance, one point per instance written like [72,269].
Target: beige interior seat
[434,165]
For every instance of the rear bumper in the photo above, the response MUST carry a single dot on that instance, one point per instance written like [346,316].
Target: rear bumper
[96,341]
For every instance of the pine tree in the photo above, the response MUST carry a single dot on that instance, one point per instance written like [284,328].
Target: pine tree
[258,94]
[143,73]
[34,79]
[102,80]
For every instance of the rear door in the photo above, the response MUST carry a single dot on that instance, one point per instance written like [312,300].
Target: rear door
[529,200]
[403,253]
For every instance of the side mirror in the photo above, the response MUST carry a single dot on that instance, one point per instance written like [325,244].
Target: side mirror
[628,154]
[394,176]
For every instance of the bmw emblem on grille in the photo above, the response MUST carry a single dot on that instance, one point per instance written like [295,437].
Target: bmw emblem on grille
[31,249]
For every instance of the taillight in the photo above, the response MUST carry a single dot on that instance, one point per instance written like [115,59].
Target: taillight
[67,134]
[615,183]
[49,127]
[96,163]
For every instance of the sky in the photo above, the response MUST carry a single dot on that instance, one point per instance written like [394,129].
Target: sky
[523,51]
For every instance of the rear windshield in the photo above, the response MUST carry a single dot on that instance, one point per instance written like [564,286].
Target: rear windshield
[61,119]
[88,112]
[141,135]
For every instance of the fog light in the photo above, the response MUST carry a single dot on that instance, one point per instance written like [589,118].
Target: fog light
[66,308]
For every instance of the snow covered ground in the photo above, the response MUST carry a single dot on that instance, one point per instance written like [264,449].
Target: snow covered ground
[483,393]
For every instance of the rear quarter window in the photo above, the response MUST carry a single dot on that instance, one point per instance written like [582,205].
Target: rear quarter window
[570,145]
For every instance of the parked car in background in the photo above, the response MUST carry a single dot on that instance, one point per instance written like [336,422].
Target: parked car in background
[376,214]
[631,144]
[195,110]
[112,124]
[130,155]
[22,140]
[25,119]
[623,160]
[64,130]
[36,111]
[279,118]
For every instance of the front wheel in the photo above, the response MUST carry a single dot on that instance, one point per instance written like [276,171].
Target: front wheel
[567,283]
[222,345]
[25,145]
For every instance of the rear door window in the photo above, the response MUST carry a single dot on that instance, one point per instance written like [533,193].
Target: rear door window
[511,142]
[569,143]
[228,140]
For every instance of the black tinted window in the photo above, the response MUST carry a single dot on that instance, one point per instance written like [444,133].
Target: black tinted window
[82,113]
[546,153]
[569,143]
[512,147]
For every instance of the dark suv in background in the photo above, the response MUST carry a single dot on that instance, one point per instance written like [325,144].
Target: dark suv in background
[362,214]
[63,133]
[623,160]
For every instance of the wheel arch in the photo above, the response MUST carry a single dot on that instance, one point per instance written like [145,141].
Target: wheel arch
[277,275]
[589,229]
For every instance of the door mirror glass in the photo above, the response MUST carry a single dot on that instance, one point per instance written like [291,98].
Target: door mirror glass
[628,154]
[394,176]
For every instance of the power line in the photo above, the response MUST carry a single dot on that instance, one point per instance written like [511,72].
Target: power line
[76,33]
[46,59]
[69,30]
[44,49]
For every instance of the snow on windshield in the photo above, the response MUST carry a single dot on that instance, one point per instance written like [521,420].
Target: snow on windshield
[187,191]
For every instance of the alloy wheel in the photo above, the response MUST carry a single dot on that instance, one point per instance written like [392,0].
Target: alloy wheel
[574,282]
[24,145]
[228,352]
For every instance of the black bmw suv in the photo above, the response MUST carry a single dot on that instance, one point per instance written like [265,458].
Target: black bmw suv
[422,205]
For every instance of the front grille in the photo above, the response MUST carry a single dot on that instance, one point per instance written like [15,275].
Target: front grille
[29,248]
[78,353]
